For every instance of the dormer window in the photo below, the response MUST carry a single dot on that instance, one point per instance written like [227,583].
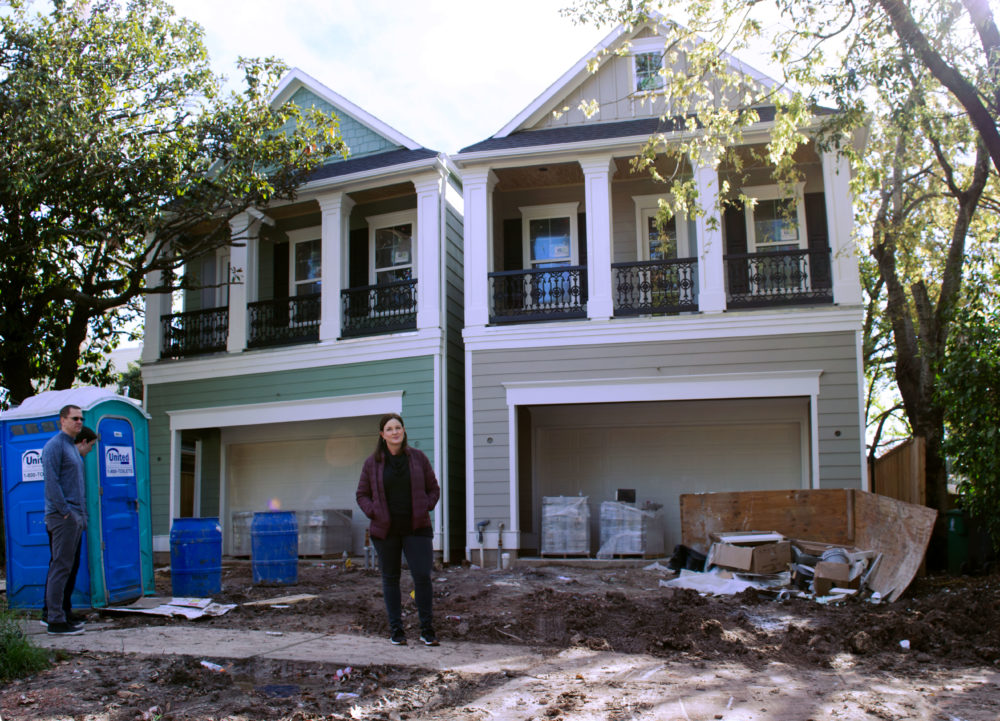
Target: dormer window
[647,65]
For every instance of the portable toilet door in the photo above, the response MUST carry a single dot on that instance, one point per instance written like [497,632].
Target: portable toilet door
[119,509]
[24,514]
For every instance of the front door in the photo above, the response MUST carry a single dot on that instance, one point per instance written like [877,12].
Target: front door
[119,510]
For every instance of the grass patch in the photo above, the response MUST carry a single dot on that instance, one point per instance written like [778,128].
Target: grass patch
[18,656]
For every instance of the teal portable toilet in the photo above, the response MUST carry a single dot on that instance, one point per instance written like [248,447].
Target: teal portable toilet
[116,564]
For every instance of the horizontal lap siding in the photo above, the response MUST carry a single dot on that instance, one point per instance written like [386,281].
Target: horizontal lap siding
[414,376]
[833,353]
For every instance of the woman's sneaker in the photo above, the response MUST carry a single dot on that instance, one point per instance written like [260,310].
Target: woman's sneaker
[65,629]
[398,638]
[429,638]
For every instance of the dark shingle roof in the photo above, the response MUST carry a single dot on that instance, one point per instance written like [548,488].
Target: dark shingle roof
[400,156]
[594,131]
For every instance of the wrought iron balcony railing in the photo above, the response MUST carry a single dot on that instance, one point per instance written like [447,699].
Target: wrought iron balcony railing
[375,309]
[194,332]
[284,321]
[788,277]
[521,296]
[654,287]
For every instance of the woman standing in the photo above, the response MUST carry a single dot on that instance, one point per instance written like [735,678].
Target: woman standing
[397,491]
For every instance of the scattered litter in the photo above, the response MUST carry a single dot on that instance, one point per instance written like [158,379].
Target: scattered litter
[441,580]
[341,695]
[711,582]
[212,666]
[657,566]
[274,633]
[904,644]
[282,600]
[729,705]
[453,618]
[280,605]
[343,673]
[565,579]
[153,712]
[189,608]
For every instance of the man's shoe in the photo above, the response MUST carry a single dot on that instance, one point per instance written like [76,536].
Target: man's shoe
[65,629]
[429,638]
[43,621]
[398,638]
[73,620]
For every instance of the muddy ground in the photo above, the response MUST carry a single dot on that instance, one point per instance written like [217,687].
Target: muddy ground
[748,656]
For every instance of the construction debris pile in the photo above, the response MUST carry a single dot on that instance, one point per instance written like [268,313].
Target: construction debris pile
[770,561]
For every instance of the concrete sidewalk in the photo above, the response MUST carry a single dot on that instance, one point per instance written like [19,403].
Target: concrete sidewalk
[218,644]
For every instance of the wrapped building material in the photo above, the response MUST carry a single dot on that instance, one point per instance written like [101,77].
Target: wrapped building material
[323,533]
[240,547]
[630,531]
[565,526]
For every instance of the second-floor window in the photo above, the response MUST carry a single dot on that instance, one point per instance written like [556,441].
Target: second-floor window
[392,247]
[307,268]
[776,222]
[550,235]
[655,241]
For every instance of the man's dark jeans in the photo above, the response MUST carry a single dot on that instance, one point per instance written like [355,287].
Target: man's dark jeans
[419,551]
[64,541]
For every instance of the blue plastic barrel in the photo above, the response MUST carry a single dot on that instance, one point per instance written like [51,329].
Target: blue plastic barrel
[196,557]
[274,547]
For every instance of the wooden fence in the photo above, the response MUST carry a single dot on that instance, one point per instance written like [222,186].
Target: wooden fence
[900,473]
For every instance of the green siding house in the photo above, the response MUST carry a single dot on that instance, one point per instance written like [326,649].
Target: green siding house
[266,393]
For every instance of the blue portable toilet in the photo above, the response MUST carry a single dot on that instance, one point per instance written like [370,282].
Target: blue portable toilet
[116,564]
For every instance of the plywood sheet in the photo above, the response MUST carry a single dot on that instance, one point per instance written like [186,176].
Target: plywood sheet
[898,530]
[814,515]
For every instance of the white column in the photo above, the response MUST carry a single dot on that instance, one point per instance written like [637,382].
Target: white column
[157,305]
[708,224]
[840,223]
[335,210]
[597,198]
[477,194]
[243,275]
[428,248]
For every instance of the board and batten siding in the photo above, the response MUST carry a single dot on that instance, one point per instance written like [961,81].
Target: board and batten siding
[839,427]
[413,376]
[454,444]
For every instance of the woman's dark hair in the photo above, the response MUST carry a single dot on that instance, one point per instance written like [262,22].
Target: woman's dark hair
[381,449]
[86,434]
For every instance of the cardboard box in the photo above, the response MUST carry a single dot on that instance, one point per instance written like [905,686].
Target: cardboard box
[829,575]
[751,552]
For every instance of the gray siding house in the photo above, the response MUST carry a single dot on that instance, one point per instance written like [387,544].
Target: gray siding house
[604,353]
[266,393]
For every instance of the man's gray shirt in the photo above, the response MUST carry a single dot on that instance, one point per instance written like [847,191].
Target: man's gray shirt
[63,468]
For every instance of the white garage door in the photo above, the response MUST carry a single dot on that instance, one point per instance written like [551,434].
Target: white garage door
[662,450]
[298,466]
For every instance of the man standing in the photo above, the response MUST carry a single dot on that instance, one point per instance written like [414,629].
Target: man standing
[65,515]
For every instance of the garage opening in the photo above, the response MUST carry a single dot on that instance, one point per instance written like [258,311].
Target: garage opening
[658,450]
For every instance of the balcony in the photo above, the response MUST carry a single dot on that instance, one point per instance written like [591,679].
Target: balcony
[657,287]
[284,321]
[788,277]
[195,332]
[522,296]
[376,309]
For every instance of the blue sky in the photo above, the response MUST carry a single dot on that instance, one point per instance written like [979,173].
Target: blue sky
[446,73]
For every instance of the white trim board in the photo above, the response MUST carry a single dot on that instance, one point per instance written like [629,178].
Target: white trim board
[310,409]
[673,388]
[409,344]
[696,326]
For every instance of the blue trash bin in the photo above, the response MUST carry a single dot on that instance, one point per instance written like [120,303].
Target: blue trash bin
[196,557]
[274,548]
